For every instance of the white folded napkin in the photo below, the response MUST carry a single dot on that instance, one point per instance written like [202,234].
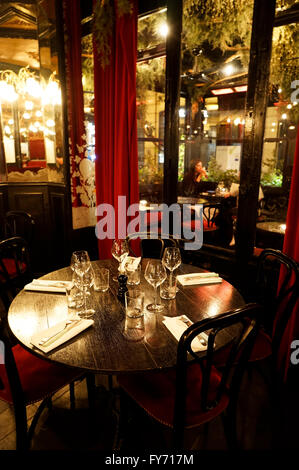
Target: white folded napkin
[177,326]
[63,332]
[199,278]
[44,285]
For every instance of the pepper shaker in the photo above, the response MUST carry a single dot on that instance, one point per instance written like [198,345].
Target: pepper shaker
[122,287]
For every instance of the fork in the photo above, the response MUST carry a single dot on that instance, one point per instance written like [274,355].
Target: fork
[47,338]
[189,323]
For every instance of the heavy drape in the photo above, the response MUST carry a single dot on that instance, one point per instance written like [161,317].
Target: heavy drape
[116,164]
[291,248]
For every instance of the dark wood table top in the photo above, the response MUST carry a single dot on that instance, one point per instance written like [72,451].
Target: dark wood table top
[272,226]
[102,348]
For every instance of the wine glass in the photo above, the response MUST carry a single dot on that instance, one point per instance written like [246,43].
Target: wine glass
[119,250]
[155,274]
[79,257]
[171,260]
[80,263]
[84,282]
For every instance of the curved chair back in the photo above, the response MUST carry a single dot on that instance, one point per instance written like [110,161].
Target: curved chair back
[15,269]
[19,224]
[151,244]
[278,295]
[245,321]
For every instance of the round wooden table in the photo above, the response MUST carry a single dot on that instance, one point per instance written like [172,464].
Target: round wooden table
[102,348]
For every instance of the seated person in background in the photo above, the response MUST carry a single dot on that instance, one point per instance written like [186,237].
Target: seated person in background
[191,183]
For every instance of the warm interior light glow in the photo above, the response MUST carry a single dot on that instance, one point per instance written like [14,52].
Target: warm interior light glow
[222,91]
[163,30]
[26,116]
[240,89]
[50,123]
[237,121]
[284,116]
[33,88]
[228,70]
[29,105]
[182,112]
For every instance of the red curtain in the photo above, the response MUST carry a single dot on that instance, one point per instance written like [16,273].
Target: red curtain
[75,103]
[116,163]
[291,248]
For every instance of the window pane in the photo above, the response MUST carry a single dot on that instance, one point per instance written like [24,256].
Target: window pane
[151,105]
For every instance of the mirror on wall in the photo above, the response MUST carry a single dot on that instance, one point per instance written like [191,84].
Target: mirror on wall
[30,94]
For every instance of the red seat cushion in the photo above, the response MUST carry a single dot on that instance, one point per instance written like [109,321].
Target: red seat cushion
[190,224]
[10,266]
[262,348]
[155,392]
[39,378]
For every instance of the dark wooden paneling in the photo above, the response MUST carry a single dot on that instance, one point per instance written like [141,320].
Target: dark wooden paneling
[3,207]
[58,229]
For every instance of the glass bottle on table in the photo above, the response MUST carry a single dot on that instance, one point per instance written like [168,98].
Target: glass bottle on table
[155,274]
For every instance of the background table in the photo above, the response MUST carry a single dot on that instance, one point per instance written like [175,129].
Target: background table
[102,348]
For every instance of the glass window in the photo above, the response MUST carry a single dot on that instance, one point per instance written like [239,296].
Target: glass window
[151,104]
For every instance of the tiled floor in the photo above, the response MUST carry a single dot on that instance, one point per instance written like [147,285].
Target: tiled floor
[261,425]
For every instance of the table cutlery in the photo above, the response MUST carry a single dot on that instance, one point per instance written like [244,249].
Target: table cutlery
[46,339]
[189,323]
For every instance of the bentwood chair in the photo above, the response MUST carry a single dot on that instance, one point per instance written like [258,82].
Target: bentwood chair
[15,269]
[278,301]
[19,224]
[151,244]
[25,378]
[196,392]
[277,289]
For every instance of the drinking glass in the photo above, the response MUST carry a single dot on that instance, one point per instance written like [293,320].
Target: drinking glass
[81,264]
[171,260]
[85,282]
[101,279]
[155,274]
[134,322]
[119,250]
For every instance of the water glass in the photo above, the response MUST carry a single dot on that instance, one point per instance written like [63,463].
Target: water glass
[101,279]
[74,296]
[134,322]
[133,276]
[168,288]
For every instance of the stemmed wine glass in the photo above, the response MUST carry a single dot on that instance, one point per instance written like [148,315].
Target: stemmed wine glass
[171,260]
[155,274]
[81,265]
[119,250]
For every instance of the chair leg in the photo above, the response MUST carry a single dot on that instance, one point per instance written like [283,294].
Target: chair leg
[72,395]
[22,442]
[91,390]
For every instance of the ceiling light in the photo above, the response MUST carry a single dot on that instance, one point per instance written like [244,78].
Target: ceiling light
[240,89]
[289,106]
[222,91]
[182,112]
[284,116]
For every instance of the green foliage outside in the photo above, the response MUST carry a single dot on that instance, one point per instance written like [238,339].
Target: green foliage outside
[215,173]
